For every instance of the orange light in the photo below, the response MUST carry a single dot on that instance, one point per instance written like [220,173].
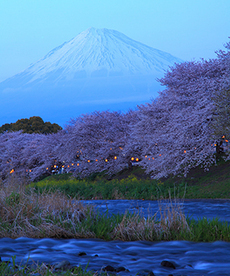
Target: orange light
[63,166]
[137,159]
[110,148]
[96,160]
[78,164]
[223,136]
[72,164]
[132,158]
[120,148]
[184,151]
[12,171]
[149,158]
[55,166]
[68,166]
[226,141]
[145,156]
[29,170]
[46,168]
[106,160]
[215,145]
[194,148]
[115,157]
[88,161]
[153,158]
[159,154]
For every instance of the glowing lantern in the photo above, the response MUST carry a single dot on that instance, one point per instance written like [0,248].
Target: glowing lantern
[12,171]
[96,160]
[137,159]
[78,164]
[132,158]
[184,151]
[215,145]
[223,136]
[29,170]
[47,168]
[106,160]
[153,158]
[55,166]
[115,157]
[145,156]
[68,166]
[88,161]
[226,141]
[72,164]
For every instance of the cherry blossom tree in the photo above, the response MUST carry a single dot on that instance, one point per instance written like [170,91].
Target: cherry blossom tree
[185,127]
[30,155]
[175,130]
[95,142]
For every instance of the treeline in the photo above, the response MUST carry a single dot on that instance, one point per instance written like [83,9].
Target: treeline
[186,127]
[34,124]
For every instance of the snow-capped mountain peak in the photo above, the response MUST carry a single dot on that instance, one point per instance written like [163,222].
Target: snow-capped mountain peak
[99,69]
[100,52]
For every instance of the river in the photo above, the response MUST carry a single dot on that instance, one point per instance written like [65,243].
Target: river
[189,258]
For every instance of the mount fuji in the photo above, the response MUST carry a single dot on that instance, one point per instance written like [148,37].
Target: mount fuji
[99,69]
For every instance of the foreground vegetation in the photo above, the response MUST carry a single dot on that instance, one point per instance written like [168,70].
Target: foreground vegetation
[30,213]
[10,268]
[135,184]
[50,208]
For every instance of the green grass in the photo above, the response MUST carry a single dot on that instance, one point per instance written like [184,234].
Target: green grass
[10,268]
[135,184]
[52,214]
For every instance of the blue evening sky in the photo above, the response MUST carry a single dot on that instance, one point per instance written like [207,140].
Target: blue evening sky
[188,29]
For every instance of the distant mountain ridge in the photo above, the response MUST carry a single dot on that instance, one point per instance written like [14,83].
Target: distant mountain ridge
[97,69]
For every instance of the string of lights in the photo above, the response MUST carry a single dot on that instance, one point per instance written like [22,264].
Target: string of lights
[55,167]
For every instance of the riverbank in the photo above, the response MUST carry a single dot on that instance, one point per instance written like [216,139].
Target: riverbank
[27,212]
[135,184]
[52,214]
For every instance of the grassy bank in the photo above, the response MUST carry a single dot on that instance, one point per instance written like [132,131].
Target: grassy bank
[135,184]
[50,213]
[25,212]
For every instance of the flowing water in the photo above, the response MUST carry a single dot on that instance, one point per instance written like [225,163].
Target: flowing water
[209,208]
[190,258]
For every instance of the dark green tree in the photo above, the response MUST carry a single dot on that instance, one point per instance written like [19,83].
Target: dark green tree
[34,124]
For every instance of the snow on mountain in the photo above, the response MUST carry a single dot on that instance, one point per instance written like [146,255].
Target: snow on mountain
[98,69]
